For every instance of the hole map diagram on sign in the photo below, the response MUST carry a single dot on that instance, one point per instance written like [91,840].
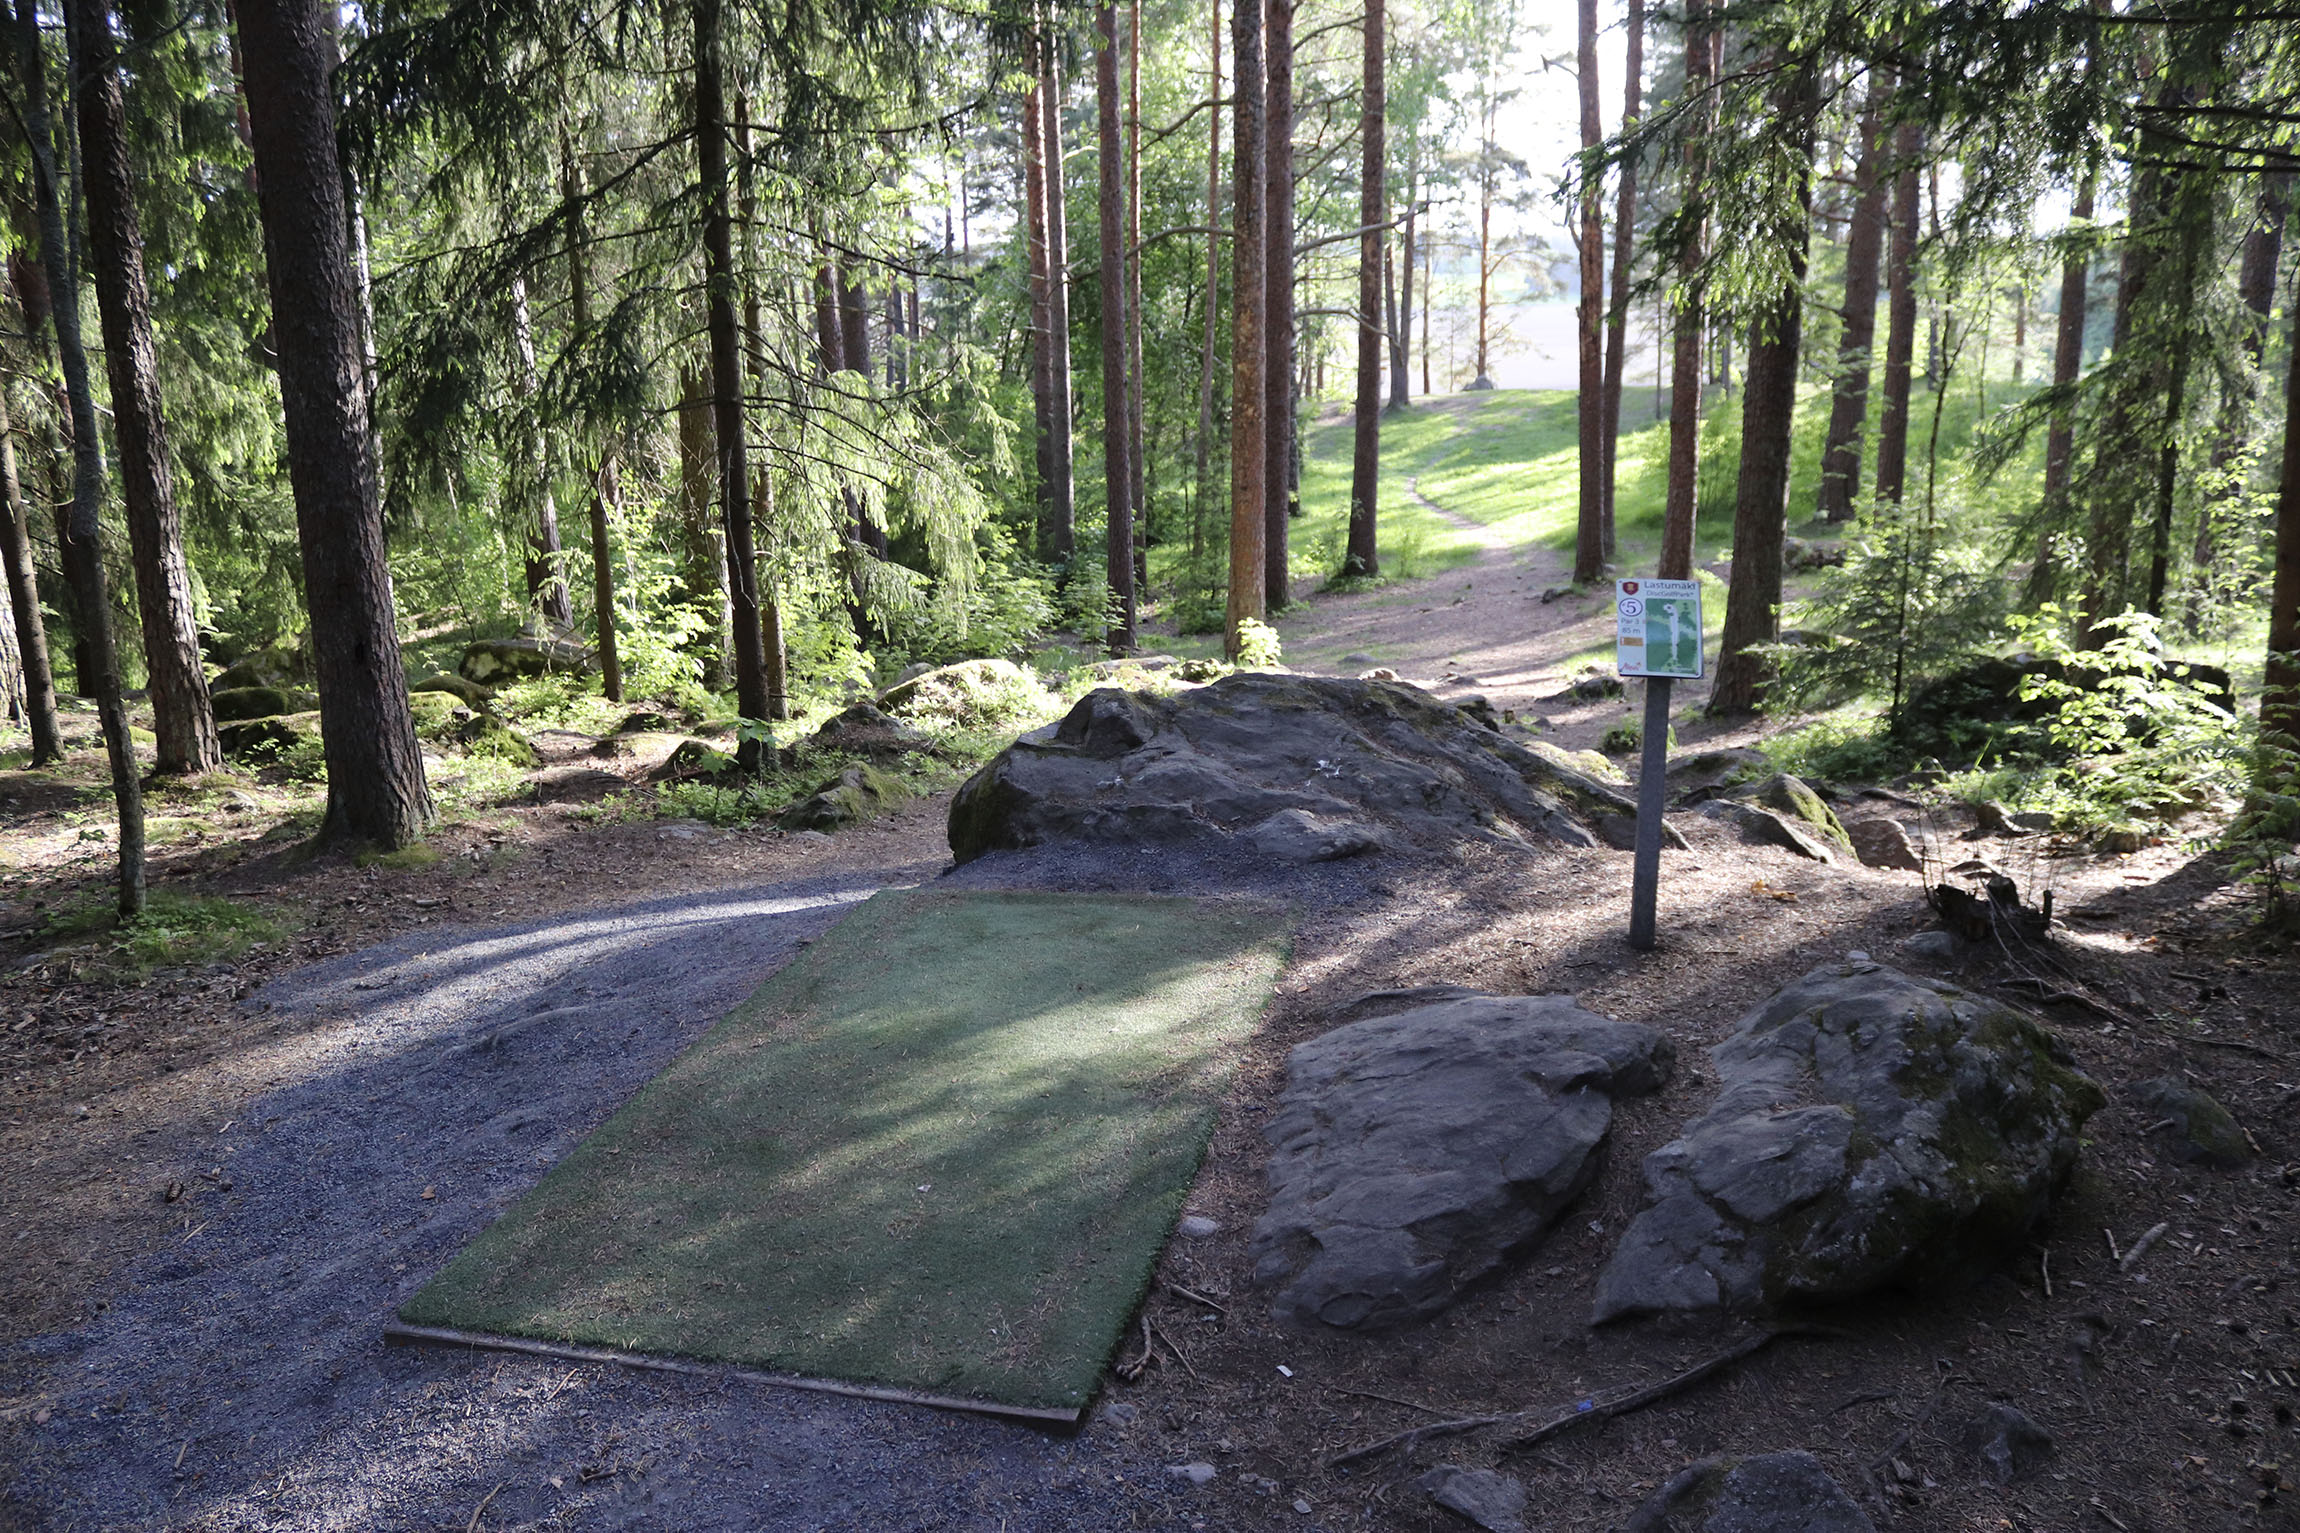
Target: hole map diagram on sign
[1657,630]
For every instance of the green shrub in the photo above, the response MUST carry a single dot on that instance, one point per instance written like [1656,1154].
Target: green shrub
[173,931]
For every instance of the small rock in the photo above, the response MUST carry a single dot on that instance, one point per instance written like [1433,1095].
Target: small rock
[1360,660]
[2196,1130]
[1296,835]
[1120,1413]
[1557,593]
[1198,1227]
[1991,818]
[1619,831]
[1884,843]
[2120,841]
[1762,827]
[1301,1506]
[1199,1473]
[2010,1445]
[2033,819]
[1414,1153]
[1490,1499]
[1933,944]
[1771,1493]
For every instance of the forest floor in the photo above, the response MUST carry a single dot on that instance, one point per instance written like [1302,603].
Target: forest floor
[223,1175]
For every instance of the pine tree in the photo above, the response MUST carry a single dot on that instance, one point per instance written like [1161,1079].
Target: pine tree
[1363,557]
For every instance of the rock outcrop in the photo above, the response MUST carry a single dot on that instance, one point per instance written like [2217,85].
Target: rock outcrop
[859,793]
[2191,1126]
[1382,763]
[1869,1130]
[1413,1153]
[492,660]
[1770,1493]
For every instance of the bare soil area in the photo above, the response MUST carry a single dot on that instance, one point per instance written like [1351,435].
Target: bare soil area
[220,1179]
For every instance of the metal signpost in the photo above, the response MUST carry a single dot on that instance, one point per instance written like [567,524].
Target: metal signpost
[1657,636]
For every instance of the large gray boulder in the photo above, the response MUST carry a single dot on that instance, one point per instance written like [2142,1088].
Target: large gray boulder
[1412,1153]
[1870,1129]
[1770,1493]
[1377,763]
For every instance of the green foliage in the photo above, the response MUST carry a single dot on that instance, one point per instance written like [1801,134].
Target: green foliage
[1843,746]
[174,931]
[1258,646]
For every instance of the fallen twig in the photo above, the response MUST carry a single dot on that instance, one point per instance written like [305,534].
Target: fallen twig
[1368,1394]
[1180,1292]
[2044,1270]
[2237,1045]
[1174,1347]
[481,1510]
[1865,1397]
[2140,1246]
[1132,1371]
[2114,1254]
[1620,1405]
[2109,1517]
[1901,1438]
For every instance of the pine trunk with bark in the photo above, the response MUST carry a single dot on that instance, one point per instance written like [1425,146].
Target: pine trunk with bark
[546,561]
[2067,362]
[1249,356]
[1624,253]
[1203,494]
[1589,403]
[1768,413]
[2280,687]
[1864,252]
[1053,535]
[1278,424]
[2192,208]
[24,604]
[773,653]
[1684,488]
[2120,457]
[183,725]
[1062,453]
[375,787]
[1402,313]
[1117,414]
[606,482]
[1137,448]
[720,281]
[1363,557]
[1900,315]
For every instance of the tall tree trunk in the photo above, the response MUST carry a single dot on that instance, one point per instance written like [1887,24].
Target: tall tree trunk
[2067,362]
[1137,452]
[1624,251]
[183,725]
[375,782]
[2256,287]
[2280,688]
[1278,318]
[1117,414]
[546,562]
[606,483]
[1427,261]
[1485,176]
[2192,203]
[1900,315]
[720,280]
[77,529]
[1363,557]
[773,657]
[1864,249]
[1249,355]
[1402,313]
[24,604]
[1204,492]
[1053,545]
[1768,411]
[1061,455]
[1589,403]
[702,548]
[2120,449]
[1683,495]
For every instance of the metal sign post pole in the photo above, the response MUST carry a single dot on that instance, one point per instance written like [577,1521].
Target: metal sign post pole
[1645,873]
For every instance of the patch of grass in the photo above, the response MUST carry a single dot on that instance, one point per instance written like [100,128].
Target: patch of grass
[174,931]
[411,857]
[950,1173]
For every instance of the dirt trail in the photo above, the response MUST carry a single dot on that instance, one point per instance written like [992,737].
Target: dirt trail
[1491,628]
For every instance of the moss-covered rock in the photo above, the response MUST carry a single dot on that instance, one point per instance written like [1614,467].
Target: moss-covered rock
[483,734]
[1794,799]
[276,666]
[645,721]
[265,739]
[1870,1130]
[436,714]
[2191,1125]
[232,704]
[973,694]
[492,660]
[859,793]
[469,693]
[1402,767]
[694,758]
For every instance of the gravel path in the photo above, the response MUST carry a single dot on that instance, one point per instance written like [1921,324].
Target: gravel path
[238,1380]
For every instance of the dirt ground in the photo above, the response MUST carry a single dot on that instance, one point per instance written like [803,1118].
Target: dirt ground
[2169,1385]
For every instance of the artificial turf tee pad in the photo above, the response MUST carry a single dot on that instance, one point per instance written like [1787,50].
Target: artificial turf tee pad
[940,1150]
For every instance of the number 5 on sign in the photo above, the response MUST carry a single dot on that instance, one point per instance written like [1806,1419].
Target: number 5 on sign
[1657,627]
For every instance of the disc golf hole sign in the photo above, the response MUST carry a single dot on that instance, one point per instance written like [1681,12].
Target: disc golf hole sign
[1657,627]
